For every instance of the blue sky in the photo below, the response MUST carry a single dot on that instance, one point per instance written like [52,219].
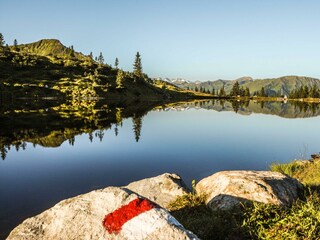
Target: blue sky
[196,40]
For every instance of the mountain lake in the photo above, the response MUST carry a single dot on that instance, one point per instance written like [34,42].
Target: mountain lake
[57,152]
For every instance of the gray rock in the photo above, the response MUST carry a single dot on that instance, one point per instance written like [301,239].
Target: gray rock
[81,217]
[161,189]
[227,189]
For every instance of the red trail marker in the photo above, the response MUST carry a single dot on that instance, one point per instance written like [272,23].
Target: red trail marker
[114,221]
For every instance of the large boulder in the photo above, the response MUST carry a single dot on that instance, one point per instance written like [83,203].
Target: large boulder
[162,189]
[225,190]
[110,213]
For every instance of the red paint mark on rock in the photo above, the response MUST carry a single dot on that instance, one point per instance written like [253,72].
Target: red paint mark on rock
[115,220]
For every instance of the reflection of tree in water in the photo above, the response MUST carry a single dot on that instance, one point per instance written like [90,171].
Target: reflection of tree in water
[99,134]
[4,152]
[307,106]
[137,125]
[7,147]
[55,125]
[221,102]
[116,130]
[71,141]
[90,136]
[236,105]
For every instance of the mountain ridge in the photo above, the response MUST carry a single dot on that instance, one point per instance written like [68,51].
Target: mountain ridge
[273,86]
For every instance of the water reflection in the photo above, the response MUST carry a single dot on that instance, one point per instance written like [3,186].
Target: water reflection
[50,127]
[294,109]
[49,124]
[193,139]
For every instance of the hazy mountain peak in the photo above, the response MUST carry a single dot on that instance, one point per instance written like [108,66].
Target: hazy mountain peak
[244,79]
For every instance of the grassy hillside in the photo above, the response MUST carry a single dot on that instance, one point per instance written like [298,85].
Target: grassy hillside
[217,85]
[47,68]
[51,48]
[283,85]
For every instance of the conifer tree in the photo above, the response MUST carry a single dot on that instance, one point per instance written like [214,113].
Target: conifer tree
[262,92]
[15,44]
[2,42]
[91,55]
[116,63]
[305,92]
[222,92]
[213,91]
[100,58]
[235,89]
[247,92]
[137,66]
[71,51]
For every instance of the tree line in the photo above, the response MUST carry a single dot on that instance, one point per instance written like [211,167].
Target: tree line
[305,92]
[236,91]
[240,91]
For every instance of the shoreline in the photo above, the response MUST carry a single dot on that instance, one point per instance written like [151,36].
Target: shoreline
[191,208]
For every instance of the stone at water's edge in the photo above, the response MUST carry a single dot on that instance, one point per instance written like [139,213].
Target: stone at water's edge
[161,189]
[92,215]
[82,217]
[227,189]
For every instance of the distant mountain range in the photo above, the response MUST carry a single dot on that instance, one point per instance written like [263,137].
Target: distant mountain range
[273,86]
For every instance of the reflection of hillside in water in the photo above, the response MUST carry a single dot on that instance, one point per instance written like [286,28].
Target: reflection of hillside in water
[53,125]
[282,109]
[49,124]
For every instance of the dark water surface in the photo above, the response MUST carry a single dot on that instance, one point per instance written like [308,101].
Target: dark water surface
[58,152]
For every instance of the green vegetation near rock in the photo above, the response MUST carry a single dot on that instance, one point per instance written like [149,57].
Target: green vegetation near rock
[306,171]
[257,220]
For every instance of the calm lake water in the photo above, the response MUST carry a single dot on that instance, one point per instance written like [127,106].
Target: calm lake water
[59,152]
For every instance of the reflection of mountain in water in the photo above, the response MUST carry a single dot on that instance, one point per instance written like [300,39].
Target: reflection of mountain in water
[49,124]
[282,109]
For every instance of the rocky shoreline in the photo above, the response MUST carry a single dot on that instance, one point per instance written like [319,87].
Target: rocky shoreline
[139,210]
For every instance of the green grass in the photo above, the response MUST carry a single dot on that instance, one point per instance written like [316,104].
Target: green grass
[300,221]
[257,220]
[307,172]
[191,211]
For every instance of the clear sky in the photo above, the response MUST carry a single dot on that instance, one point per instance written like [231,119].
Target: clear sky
[196,40]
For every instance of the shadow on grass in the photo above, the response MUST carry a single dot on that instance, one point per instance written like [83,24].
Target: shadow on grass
[209,224]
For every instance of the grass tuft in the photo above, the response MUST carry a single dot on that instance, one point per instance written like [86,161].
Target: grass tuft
[191,211]
[307,172]
[300,221]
